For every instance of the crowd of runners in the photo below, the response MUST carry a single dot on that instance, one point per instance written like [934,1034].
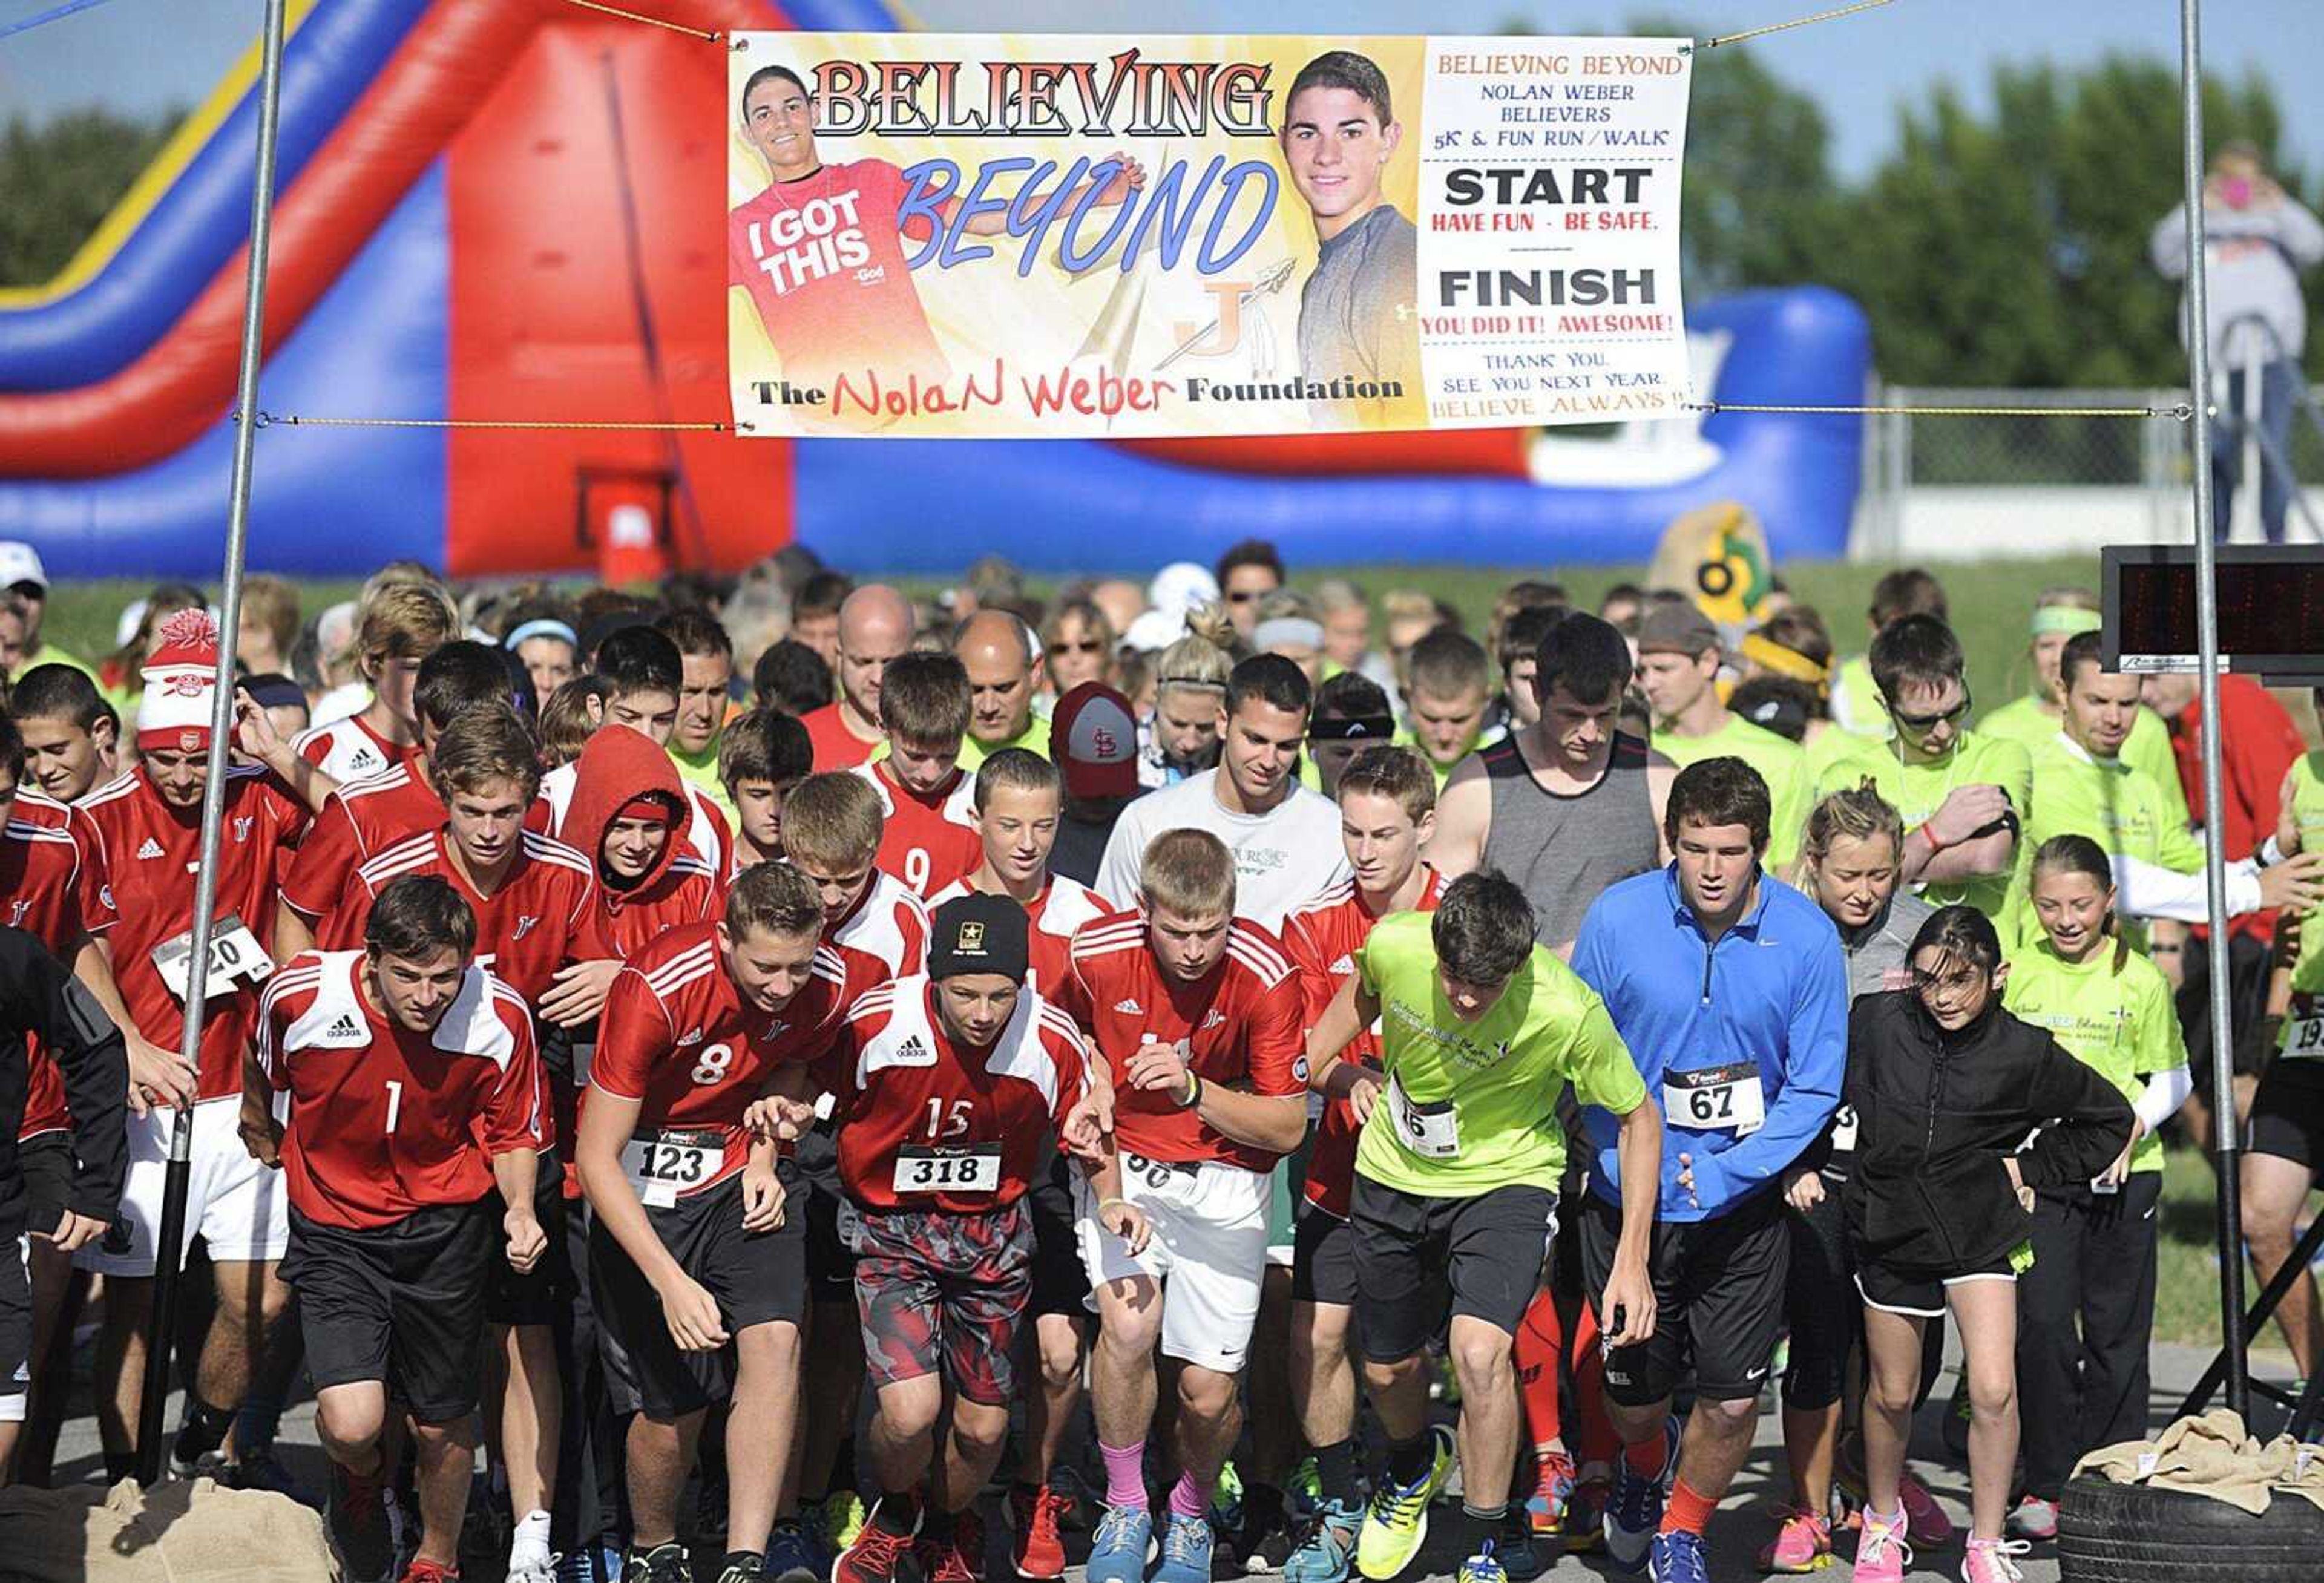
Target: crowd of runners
[768,1061]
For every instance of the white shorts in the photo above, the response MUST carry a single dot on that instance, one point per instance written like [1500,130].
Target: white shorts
[233,1202]
[1208,1252]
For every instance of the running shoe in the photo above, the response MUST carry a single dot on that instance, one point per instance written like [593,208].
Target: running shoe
[876,1556]
[1396,1524]
[1186,1551]
[1553,1491]
[1994,1560]
[1484,1566]
[1307,1491]
[1584,1529]
[1263,1541]
[2034,1519]
[960,1556]
[1514,1551]
[743,1568]
[1118,1550]
[531,1567]
[1037,1550]
[357,1523]
[1326,1546]
[793,1556]
[420,1571]
[1635,1508]
[842,1518]
[1882,1552]
[1925,1523]
[1803,1545]
[1226,1499]
[664,1563]
[1676,1557]
[258,1469]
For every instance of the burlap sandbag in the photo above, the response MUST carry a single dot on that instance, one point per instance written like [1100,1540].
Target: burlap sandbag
[179,1533]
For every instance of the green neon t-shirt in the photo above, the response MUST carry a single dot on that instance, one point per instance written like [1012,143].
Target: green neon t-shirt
[2304,1028]
[1917,791]
[1780,763]
[2113,803]
[2147,749]
[1469,1107]
[2123,1026]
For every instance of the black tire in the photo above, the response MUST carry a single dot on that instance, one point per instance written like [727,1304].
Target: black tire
[2128,1534]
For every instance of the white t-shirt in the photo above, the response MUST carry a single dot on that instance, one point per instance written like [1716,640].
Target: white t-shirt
[1283,857]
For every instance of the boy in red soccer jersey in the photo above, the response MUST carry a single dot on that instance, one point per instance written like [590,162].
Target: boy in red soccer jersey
[403,624]
[761,758]
[1019,800]
[952,1088]
[72,737]
[1387,809]
[1197,1018]
[415,1094]
[821,250]
[929,839]
[698,1272]
[628,813]
[536,908]
[145,844]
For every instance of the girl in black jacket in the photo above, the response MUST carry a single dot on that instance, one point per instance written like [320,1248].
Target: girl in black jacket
[1946,1085]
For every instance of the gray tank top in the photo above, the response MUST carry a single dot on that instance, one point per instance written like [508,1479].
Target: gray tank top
[1563,849]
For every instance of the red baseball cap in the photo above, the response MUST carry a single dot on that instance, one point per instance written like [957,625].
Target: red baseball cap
[1093,738]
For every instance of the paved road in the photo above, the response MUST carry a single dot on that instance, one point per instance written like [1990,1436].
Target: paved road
[1745,1522]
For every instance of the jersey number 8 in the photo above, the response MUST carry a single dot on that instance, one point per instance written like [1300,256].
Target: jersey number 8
[713,1063]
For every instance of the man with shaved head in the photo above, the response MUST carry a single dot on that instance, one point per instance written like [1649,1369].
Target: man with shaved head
[875,626]
[996,649]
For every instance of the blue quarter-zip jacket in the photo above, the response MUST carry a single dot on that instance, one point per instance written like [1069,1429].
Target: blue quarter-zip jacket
[1773,989]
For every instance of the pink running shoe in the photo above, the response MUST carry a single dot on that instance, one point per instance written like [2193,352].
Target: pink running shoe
[1803,1543]
[1882,1553]
[1925,1521]
[1991,1561]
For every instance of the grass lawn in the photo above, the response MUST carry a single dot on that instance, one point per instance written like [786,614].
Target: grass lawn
[1990,602]
[2186,1292]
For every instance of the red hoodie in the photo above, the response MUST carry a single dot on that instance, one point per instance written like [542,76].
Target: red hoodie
[618,767]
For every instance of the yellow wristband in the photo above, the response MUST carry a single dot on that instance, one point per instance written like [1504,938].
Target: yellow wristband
[1193,1090]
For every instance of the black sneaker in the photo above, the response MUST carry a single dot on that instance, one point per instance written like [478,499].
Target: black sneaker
[665,1563]
[357,1522]
[743,1568]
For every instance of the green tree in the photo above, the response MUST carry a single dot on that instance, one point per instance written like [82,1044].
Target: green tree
[61,178]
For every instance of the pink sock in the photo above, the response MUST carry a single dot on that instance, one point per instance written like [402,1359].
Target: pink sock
[1125,1475]
[1185,1500]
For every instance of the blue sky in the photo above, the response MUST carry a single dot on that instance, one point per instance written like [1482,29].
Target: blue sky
[140,55]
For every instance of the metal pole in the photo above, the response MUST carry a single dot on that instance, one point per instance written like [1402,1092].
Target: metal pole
[2206,627]
[169,1252]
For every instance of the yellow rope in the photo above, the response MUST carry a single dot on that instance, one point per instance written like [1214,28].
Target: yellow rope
[294,420]
[2181,412]
[675,27]
[1761,33]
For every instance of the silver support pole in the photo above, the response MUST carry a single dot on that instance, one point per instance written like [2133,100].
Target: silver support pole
[167,1255]
[2207,627]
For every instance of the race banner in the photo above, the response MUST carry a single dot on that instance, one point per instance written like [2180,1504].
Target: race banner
[1044,235]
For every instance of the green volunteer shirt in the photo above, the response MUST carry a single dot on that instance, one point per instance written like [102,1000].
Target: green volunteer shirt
[2122,1024]
[701,771]
[1918,790]
[2147,749]
[1780,763]
[1857,706]
[2114,804]
[2304,1028]
[50,654]
[1500,1074]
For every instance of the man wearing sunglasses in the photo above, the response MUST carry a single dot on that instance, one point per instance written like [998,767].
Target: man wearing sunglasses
[1248,573]
[1961,793]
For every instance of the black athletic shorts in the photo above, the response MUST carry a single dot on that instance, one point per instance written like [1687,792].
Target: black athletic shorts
[2287,1113]
[536,1296]
[758,1277]
[830,1262]
[1818,1302]
[1421,1259]
[1719,1295]
[1060,1280]
[16,1330]
[1921,1293]
[1323,1257]
[403,1304]
[46,1163]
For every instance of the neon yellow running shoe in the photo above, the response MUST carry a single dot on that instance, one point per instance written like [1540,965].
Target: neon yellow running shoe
[1396,1524]
[842,1518]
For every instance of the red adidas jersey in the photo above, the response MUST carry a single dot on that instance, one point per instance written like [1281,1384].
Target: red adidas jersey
[1322,938]
[677,1038]
[543,914]
[884,936]
[686,892]
[1062,906]
[141,861]
[928,841]
[384,1121]
[358,821]
[835,747]
[348,749]
[1240,1026]
[41,887]
[927,1123]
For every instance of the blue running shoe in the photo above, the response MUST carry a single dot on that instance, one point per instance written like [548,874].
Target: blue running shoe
[793,1557]
[1186,1551]
[1119,1547]
[1636,1510]
[1484,1566]
[1677,1557]
[1326,1549]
